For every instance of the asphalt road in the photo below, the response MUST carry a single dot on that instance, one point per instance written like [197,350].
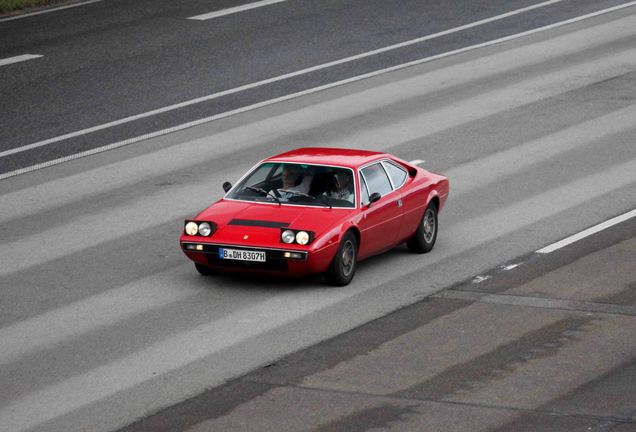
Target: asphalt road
[103,321]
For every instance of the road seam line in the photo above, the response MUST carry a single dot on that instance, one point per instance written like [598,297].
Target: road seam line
[233,10]
[259,104]
[537,302]
[587,232]
[18,59]
[49,10]
[394,396]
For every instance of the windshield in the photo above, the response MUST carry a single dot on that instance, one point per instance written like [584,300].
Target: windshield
[297,184]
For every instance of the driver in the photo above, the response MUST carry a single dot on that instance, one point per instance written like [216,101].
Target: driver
[290,175]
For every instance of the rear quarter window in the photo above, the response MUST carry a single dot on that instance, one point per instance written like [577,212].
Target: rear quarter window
[398,175]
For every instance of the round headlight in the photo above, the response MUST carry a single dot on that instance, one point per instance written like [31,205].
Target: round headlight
[302,238]
[191,228]
[288,236]
[205,229]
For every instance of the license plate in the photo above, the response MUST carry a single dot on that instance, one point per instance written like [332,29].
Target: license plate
[242,255]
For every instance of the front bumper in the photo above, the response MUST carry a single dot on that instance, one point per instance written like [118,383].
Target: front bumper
[278,260]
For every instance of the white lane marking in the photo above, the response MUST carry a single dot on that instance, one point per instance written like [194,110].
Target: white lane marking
[509,267]
[234,10]
[47,10]
[260,104]
[588,232]
[551,203]
[17,59]
[417,162]
[290,75]
[71,321]
[480,279]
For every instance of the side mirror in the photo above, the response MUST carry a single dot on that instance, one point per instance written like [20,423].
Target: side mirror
[374,197]
[227,186]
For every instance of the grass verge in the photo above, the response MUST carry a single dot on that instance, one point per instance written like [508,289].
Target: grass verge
[15,5]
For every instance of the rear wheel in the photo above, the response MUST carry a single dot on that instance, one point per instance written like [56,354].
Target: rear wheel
[343,266]
[424,238]
[204,270]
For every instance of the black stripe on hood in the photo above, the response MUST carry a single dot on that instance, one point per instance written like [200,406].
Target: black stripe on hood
[258,223]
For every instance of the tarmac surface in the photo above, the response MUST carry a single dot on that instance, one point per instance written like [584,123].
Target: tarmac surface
[104,322]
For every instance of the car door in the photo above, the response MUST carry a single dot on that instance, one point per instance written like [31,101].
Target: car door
[380,223]
[411,202]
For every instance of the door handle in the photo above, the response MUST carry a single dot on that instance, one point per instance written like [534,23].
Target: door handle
[399,202]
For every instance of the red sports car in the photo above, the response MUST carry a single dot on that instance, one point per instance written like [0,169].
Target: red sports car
[317,210]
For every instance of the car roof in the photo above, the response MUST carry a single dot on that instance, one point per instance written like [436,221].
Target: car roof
[329,156]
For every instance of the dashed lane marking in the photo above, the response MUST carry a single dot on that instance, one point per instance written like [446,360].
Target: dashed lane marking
[480,279]
[18,59]
[234,10]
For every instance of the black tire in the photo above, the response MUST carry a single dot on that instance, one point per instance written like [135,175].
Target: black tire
[343,266]
[424,238]
[203,269]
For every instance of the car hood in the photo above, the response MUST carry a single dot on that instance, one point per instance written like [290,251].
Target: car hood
[235,219]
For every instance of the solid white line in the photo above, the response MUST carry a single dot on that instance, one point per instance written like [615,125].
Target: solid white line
[269,81]
[17,59]
[588,232]
[234,10]
[47,10]
[264,103]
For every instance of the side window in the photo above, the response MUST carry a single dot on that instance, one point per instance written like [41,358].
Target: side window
[377,180]
[397,174]
[364,192]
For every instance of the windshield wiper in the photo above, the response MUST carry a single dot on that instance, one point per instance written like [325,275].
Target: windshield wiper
[322,200]
[264,192]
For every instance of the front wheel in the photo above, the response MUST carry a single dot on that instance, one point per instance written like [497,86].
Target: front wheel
[424,238]
[343,266]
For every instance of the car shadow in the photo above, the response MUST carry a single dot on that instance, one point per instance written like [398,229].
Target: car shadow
[249,281]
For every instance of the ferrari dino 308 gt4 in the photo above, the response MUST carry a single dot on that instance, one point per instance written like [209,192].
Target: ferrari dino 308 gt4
[317,210]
